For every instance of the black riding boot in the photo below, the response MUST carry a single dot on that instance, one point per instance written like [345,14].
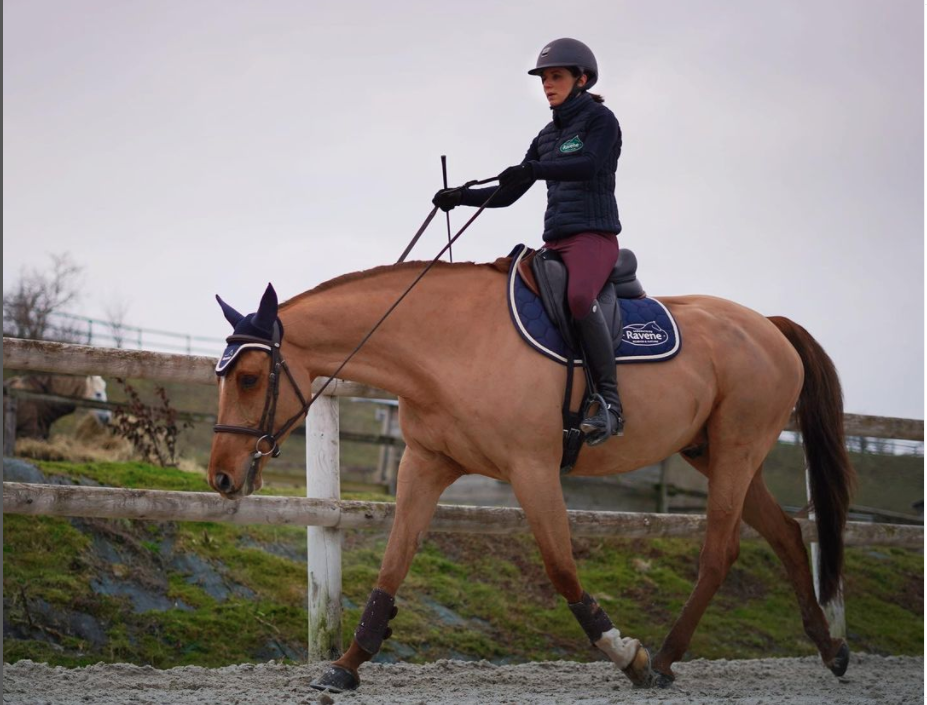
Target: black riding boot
[600,357]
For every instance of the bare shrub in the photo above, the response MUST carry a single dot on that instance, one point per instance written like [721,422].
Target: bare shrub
[151,429]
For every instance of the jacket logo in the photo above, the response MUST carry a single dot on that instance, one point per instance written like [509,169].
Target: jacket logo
[570,146]
[644,334]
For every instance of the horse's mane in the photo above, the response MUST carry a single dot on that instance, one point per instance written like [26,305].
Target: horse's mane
[370,273]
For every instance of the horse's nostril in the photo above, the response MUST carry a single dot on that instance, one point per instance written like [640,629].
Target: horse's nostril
[223,482]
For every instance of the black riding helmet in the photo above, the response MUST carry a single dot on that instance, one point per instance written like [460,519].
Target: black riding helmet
[568,53]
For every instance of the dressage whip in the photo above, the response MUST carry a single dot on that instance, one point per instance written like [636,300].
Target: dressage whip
[447,213]
[405,253]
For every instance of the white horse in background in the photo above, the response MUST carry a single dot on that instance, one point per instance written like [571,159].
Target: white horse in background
[34,417]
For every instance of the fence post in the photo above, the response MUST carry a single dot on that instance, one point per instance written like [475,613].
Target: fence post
[9,424]
[834,610]
[323,481]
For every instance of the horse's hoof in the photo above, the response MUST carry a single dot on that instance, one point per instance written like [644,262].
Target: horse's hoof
[639,671]
[662,680]
[336,679]
[839,665]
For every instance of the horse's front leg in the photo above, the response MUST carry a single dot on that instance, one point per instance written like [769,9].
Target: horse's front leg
[541,496]
[421,479]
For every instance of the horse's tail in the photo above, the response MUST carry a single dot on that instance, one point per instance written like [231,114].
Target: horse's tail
[819,411]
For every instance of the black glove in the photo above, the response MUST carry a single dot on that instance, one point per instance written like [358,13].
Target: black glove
[516,176]
[448,198]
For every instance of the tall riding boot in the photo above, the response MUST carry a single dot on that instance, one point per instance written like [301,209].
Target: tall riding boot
[600,357]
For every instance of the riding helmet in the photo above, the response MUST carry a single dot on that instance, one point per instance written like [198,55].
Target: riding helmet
[568,52]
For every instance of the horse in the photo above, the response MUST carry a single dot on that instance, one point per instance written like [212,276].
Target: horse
[35,417]
[473,398]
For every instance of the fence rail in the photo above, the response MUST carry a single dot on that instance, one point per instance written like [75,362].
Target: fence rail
[322,511]
[160,505]
[64,358]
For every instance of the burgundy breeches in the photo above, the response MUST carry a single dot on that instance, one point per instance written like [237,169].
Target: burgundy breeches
[589,258]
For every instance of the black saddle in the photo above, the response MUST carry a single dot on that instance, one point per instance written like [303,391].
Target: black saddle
[550,274]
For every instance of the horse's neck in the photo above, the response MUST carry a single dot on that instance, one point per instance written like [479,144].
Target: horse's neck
[419,338]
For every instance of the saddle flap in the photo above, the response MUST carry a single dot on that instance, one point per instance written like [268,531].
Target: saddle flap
[550,275]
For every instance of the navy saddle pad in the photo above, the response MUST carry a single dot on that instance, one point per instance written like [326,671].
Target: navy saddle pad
[648,330]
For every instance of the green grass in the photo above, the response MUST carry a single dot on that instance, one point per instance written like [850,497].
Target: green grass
[466,595]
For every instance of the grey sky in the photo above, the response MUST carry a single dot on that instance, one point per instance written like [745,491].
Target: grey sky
[773,151]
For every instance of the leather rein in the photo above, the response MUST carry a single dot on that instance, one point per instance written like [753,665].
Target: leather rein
[265,430]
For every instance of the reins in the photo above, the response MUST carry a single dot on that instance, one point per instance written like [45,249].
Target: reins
[265,430]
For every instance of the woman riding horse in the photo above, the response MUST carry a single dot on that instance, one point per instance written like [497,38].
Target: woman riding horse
[577,154]
[721,402]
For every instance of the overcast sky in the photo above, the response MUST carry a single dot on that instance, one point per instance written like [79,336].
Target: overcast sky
[773,152]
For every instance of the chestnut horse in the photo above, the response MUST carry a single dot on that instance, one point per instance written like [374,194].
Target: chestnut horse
[474,398]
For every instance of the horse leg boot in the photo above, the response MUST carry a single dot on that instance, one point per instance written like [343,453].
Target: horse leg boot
[763,513]
[599,354]
[541,498]
[421,479]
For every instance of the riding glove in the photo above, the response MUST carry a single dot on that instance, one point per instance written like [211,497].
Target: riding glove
[448,198]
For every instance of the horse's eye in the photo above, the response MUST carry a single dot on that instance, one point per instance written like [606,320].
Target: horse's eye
[248,381]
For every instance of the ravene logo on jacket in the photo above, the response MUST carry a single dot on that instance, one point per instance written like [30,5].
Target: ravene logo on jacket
[644,334]
[572,145]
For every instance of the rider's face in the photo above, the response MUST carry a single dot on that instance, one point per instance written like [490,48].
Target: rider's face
[558,82]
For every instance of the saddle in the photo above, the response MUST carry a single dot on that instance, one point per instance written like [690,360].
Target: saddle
[544,272]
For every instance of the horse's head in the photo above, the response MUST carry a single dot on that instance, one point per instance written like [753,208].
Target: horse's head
[260,399]
[96,389]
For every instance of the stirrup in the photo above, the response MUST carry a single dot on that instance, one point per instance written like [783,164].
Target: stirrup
[614,423]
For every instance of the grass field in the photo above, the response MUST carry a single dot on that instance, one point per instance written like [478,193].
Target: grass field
[75,592]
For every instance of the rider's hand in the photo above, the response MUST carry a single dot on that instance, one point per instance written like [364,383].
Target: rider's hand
[516,176]
[448,198]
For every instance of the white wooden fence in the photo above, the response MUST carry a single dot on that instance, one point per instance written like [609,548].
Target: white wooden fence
[323,512]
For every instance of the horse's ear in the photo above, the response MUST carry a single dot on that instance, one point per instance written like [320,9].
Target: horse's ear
[231,315]
[267,311]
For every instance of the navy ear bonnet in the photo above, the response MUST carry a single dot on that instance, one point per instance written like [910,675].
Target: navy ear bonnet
[256,331]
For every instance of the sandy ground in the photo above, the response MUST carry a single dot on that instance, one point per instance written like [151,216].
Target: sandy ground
[802,681]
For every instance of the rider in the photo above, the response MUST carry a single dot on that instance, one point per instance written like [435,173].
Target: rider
[577,155]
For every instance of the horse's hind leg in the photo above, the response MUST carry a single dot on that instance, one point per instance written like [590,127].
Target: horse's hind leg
[421,479]
[729,476]
[763,513]
[540,495]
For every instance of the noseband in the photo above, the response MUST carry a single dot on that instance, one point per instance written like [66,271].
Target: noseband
[265,430]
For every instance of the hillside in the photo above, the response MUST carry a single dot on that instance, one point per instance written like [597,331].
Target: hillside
[165,593]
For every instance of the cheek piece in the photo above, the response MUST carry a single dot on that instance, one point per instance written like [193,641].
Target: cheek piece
[374,623]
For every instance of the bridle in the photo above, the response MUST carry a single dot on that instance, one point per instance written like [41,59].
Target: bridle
[265,430]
